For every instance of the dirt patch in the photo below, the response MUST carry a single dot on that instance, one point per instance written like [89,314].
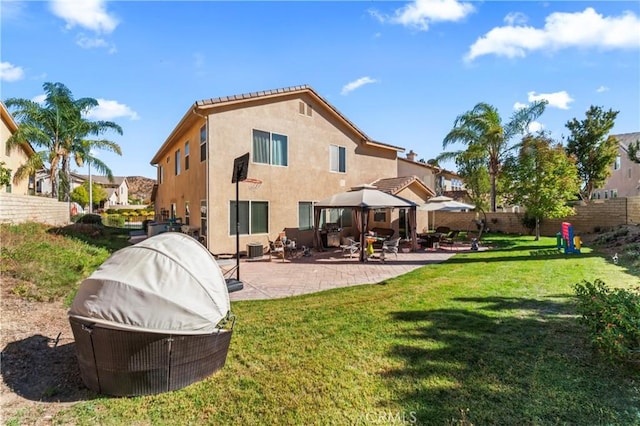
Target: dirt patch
[40,374]
[613,241]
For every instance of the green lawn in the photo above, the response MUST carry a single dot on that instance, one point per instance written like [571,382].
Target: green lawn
[485,338]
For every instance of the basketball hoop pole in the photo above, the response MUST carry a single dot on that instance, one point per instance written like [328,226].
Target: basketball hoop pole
[237,228]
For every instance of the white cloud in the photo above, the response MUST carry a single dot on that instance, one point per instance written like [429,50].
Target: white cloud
[535,126]
[559,100]
[108,110]
[602,89]
[40,99]
[586,29]
[516,18]
[519,105]
[421,13]
[349,87]
[10,72]
[89,14]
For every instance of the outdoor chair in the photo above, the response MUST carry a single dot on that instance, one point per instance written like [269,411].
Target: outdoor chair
[352,247]
[450,238]
[389,247]
[277,249]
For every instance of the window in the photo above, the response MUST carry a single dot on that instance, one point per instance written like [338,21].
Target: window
[160,174]
[614,193]
[629,173]
[254,217]
[380,215]
[186,213]
[203,143]
[616,164]
[305,215]
[270,148]
[337,159]
[177,166]
[342,218]
[203,217]
[186,155]
[304,109]
[174,210]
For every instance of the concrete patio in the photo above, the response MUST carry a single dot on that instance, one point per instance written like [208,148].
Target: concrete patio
[264,279]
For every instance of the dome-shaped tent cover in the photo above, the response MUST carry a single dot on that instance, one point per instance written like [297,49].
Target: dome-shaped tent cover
[168,283]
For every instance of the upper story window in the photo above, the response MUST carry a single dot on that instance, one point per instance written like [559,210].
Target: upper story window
[203,143]
[177,163]
[270,148]
[616,164]
[186,155]
[337,158]
[160,174]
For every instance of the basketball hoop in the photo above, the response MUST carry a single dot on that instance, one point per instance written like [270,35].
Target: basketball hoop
[253,183]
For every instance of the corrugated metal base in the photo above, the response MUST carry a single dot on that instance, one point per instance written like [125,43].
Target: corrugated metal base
[127,363]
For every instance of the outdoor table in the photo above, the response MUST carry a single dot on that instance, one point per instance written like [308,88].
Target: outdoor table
[370,239]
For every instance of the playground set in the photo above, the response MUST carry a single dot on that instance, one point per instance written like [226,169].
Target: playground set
[565,240]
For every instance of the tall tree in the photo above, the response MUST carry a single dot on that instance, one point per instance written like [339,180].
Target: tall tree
[59,126]
[472,167]
[592,148]
[541,178]
[482,130]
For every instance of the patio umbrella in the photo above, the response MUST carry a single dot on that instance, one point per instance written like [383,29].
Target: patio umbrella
[361,199]
[443,203]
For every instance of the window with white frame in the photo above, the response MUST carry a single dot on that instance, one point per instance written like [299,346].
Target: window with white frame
[337,159]
[616,164]
[203,143]
[305,215]
[253,217]
[270,148]
[614,193]
[203,217]
[340,217]
[177,163]
[187,213]
[186,155]
[174,210]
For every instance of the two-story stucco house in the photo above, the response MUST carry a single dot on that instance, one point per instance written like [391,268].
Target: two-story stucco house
[301,149]
[624,180]
[442,181]
[16,157]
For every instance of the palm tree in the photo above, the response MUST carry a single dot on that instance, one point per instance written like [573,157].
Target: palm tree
[60,127]
[482,131]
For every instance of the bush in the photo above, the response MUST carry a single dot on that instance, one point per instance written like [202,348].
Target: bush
[114,220]
[94,219]
[612,317]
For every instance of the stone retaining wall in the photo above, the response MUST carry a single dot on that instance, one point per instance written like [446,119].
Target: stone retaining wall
[16,208]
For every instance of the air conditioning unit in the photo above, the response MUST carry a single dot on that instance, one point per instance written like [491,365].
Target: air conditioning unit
[254,250]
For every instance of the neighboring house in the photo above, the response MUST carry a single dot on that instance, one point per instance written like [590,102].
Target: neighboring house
[117,190]
[16,157]
[625,174]
[411,188]
[442,181]
[301,148]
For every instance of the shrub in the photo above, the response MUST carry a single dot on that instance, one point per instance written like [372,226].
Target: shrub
[612,317]
[114,220]
[94,219]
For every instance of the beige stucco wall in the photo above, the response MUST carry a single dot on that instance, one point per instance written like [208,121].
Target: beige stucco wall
[625,180]
[306,178]
[426,174]
[12,160]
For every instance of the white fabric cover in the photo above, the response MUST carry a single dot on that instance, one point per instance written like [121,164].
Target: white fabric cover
[168,283]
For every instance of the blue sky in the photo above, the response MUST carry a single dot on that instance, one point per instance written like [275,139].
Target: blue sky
[401,71]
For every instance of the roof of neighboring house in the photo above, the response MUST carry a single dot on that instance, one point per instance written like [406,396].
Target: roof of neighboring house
[206,105]
[626,139]
[104,181]
[429,166]
[13,127]
[397,184]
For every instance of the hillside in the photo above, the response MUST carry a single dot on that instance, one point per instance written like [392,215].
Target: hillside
[140,187]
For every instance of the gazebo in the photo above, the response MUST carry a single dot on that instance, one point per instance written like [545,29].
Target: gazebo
[362,199]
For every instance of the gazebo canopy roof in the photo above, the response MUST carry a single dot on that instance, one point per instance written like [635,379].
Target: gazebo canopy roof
[364,197]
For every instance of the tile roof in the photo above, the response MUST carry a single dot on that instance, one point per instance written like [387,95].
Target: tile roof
[397,184]
[626,139]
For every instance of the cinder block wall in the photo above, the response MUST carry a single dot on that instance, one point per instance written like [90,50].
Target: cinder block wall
[598,215]
[16,208]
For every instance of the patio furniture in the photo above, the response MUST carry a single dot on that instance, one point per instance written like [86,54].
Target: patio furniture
[277,249]
[154,317]
[390,247]
[352,247]
[449,239]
